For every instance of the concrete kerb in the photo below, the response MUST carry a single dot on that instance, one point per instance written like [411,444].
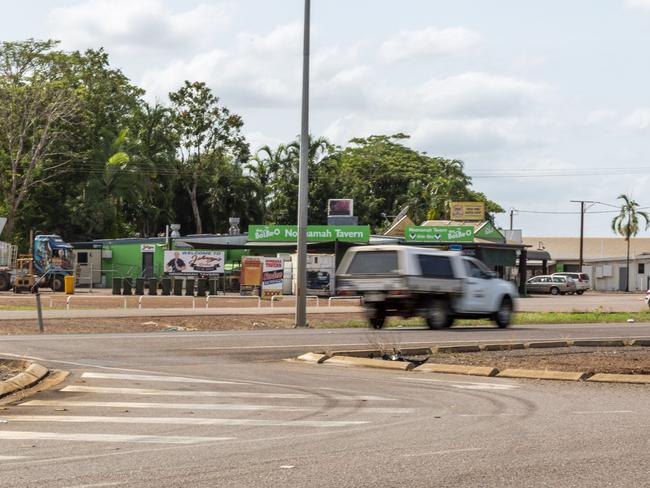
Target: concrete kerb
[32,374]
[366,357]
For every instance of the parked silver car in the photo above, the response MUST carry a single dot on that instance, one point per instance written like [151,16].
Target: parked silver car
[555,285]
[583,283]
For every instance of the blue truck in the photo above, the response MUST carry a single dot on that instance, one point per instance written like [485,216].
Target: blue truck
[50,261]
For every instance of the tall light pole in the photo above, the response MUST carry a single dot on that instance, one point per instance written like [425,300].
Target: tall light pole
[303,182]
[582,228]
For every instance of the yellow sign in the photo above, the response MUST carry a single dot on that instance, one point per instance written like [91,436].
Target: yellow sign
[464,211]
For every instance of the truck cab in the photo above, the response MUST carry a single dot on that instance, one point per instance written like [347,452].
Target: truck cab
[53,260]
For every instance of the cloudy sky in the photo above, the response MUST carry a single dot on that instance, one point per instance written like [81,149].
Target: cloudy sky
[545,101]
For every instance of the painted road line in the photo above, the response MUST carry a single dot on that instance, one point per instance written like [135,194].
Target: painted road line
[466,385]
[220,394]
[151,377]
[185,421]
[183,393]
[11,458]
[197,406]
[148,439]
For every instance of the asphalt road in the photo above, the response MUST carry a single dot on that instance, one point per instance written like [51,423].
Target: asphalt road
[222,409]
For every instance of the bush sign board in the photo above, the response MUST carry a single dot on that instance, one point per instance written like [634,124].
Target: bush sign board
[452,233]
[315,233]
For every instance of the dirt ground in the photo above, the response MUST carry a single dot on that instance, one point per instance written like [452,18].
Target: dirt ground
[172,324]
[8,369]
[623,360]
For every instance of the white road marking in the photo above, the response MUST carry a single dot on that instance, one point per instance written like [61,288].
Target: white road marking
[185,421]
[184,393]
[151,377]
[220,394]
[11,458]
[467,385]
[149,439]
[602,412]
[197,406]
[445,451]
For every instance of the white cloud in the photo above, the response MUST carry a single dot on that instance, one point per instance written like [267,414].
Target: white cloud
[470,94]
[639,119]
[600,116]
[135,26]
[639,4]
[428,42]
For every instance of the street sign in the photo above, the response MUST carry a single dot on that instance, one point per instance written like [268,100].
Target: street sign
[315,233]
[451,233]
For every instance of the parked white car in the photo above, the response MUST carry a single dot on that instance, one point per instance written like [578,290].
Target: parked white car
[647,298]
[413,281]
[582,280]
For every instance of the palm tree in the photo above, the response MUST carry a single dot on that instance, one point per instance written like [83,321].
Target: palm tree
[626,224]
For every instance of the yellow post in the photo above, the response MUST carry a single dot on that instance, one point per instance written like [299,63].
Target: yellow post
[69,284]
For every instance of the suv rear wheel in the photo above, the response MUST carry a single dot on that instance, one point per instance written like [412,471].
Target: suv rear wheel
[438,314]
[376,316]
[555,290]
[503,317]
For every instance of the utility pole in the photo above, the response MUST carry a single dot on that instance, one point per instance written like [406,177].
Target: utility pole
[582,228]
[512,216]
[303,182]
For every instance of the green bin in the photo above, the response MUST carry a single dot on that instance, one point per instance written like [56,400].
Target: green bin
[117,286]
[139,286]
[153,286]
[166,285]
[178,286]
[189,287]
[128,286]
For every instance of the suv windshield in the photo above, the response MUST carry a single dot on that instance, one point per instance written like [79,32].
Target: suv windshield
[370,262]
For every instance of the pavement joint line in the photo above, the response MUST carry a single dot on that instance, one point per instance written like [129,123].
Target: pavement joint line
[602,412]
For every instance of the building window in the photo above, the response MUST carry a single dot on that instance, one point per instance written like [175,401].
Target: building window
[82,258]
[641,268]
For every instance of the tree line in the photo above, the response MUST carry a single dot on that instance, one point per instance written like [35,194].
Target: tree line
[84,155]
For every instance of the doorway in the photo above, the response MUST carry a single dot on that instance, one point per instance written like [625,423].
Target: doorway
[622,278]
[147,264]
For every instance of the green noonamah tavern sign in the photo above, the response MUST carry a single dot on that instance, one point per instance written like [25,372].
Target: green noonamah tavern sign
[315,233]
[425,233]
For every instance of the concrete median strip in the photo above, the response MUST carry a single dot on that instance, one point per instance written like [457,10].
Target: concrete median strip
[369,363]
[312,357]
[457,369]
[621,378]
[32,374]
[599,343]
[541,374]
[546,344]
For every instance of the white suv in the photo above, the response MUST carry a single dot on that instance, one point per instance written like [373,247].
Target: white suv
[582,281]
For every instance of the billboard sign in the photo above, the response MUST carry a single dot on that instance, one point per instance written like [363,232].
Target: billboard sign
[462,211]
[272,277]
[315,233]
[194,262]
[340,207]
[452,233]
[147,248]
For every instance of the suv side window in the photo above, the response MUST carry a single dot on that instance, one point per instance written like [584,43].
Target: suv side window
[473,270]
[433,266]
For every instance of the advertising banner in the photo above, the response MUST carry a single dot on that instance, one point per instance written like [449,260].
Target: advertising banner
[194,262]
[452,233]
[474,211]
[315,233]
[272,277]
